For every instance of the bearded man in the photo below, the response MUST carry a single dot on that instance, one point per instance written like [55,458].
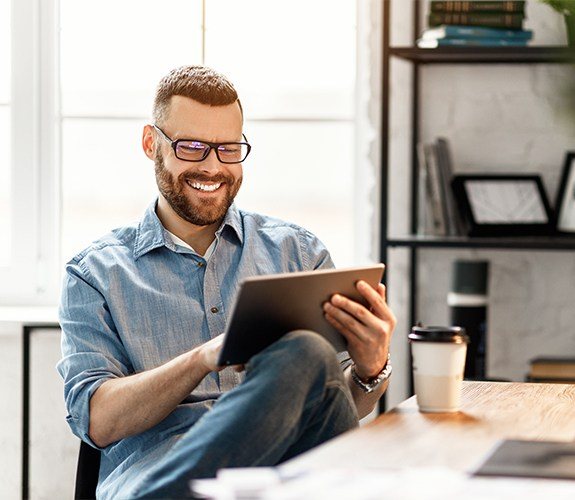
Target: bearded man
[144,307]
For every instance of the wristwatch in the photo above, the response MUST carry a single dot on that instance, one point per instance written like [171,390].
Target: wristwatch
[375,382]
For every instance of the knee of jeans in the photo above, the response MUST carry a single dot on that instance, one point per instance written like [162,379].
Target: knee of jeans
[306,349]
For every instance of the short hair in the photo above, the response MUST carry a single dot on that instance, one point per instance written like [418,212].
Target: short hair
[200,83]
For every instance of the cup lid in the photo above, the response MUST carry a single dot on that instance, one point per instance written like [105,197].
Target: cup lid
[452,334]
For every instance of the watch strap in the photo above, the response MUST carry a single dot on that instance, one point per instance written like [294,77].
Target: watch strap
[375,382]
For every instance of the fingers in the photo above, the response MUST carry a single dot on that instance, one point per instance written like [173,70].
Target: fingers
[375,298]
[376,303]
[354,319]
[351,315]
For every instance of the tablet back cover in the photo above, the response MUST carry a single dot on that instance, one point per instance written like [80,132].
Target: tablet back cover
[269,306]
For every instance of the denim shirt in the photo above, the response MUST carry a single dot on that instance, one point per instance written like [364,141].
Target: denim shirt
[133,300]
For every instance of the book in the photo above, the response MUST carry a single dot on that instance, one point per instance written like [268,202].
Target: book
[470,42]
[544,380]
[454,224]
[435,188]
[488,20]
[536,459]
[552,368]
[455,31]
[425,221]
[475,6]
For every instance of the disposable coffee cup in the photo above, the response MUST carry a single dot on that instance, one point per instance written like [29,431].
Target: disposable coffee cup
[438,363]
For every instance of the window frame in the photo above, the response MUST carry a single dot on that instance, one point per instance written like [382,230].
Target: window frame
[32,276]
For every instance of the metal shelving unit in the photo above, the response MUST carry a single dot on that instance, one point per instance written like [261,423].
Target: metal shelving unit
[448,55]
[552,243]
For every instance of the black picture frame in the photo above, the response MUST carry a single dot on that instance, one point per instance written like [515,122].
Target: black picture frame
[503,204]
[565,201]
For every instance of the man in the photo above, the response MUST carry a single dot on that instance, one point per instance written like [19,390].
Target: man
[144,307]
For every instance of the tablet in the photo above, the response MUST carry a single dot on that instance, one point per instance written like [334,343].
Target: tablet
[269,306]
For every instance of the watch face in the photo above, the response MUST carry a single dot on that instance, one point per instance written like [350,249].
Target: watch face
[505,202]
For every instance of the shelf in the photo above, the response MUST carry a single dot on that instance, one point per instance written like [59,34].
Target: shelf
[509,243]
[478,55]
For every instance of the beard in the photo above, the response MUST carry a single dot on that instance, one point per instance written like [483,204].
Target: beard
[199,212]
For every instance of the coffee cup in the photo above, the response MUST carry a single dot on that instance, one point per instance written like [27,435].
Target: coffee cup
[438,363]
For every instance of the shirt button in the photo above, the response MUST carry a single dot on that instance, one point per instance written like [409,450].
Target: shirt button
[214,310]
[200,264]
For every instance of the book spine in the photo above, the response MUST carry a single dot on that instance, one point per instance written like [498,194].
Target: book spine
[437,205]
[454,226]
[476,32]
[474,6]
[513,21]
[425,221]
[480,42]
[546,380]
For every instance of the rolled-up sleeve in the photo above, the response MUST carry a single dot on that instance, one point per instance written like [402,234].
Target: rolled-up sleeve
[92,351]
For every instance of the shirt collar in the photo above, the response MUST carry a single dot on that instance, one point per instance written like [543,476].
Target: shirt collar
[151,233]
[233,220]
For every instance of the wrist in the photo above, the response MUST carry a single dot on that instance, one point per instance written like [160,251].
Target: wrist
[198,361]
[368,374]
[373,383]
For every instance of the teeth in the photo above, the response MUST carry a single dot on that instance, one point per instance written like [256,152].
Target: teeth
[205,187]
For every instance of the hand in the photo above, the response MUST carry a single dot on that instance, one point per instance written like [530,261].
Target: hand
[209,353]
[367,330]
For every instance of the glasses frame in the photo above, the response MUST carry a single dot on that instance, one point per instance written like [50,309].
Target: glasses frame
[211,145]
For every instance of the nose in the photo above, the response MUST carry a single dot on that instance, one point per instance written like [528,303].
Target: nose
[211,162]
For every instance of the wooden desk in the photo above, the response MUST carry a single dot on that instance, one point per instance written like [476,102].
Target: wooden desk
[405,437]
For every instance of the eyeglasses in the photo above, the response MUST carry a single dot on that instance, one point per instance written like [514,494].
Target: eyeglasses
[193,150]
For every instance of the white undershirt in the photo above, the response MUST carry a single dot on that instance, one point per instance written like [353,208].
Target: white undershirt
[182,243]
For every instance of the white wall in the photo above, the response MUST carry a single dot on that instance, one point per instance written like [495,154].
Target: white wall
[498,118]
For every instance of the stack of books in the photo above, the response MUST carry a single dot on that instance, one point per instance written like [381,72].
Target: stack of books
[471,23]
[558,370]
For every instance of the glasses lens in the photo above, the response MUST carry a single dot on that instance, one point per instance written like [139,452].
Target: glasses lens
[232,152]
[191,150]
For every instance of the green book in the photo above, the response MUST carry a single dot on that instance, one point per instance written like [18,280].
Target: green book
[489,20]
[516,6]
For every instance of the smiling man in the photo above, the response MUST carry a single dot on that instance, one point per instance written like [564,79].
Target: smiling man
[143,310]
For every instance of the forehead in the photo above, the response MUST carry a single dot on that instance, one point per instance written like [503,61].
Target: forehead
[190,119]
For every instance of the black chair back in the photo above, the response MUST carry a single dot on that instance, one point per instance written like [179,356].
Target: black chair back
[87,472]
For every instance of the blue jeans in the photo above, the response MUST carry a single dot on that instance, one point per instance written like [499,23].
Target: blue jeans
[293,398]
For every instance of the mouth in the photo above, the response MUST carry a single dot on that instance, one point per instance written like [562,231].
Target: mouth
[206,188]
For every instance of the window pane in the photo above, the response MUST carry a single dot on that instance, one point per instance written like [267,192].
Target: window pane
[107,179]
[289,59]
[5,48]
[114,52]
[303,172]
[5,165]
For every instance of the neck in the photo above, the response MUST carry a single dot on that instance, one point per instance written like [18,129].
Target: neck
[198,237]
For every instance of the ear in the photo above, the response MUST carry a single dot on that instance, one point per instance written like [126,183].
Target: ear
[149,142]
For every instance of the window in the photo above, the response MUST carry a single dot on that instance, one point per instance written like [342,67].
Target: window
[107,88]
[294,66]
[98,63]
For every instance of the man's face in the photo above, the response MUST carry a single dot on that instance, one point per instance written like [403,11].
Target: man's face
[199,192]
